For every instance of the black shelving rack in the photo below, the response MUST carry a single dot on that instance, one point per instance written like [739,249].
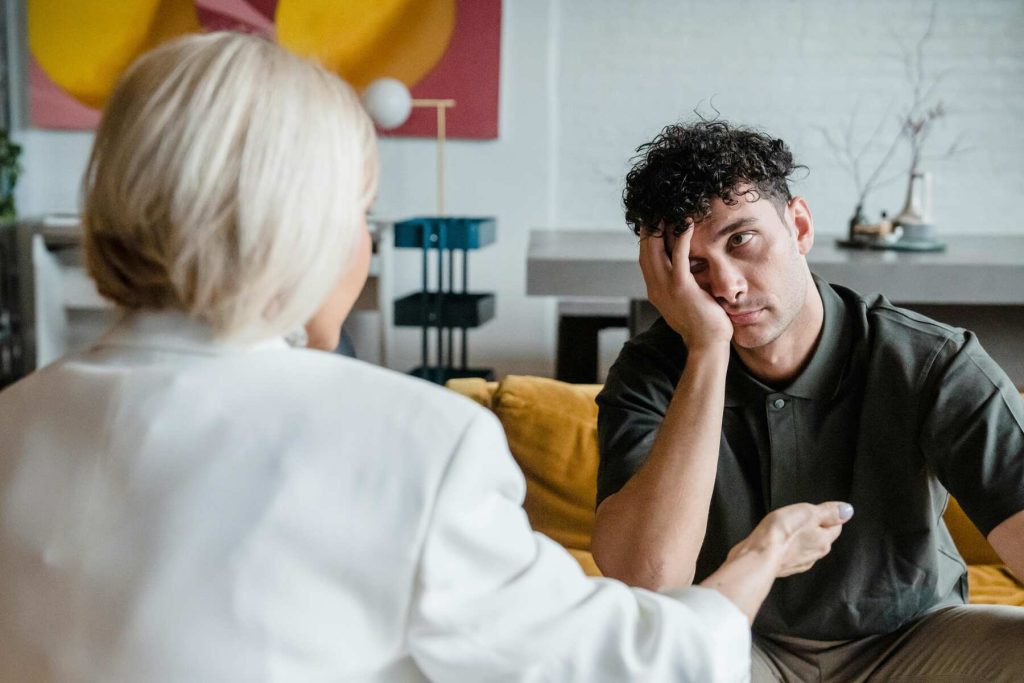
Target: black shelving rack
[15,261]
[443,308]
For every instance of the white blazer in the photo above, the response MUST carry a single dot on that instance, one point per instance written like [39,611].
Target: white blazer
[173,509]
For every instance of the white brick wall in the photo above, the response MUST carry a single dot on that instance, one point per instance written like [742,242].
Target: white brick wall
[794,67]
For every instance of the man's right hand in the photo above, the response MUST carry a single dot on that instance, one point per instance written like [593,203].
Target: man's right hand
[671,287]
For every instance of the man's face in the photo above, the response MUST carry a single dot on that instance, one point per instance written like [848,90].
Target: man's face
[751,261]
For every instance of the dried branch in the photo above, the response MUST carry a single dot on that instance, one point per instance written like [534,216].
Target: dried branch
[915,124]
[873,182]
[876,132]
[954,149]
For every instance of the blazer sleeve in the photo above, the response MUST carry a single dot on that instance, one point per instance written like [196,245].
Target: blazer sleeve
[496,601]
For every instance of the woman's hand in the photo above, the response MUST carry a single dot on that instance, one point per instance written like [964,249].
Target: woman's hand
[673,290]
[788,541]
[797,535]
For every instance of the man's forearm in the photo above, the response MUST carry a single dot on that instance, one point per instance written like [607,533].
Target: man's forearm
[650,532]
[1008,541]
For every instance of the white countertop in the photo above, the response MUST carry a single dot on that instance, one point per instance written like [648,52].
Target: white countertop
[975,269]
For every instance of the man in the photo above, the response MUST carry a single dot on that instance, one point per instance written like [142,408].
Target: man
[762,385]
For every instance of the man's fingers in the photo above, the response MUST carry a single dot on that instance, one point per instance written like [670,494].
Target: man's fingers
[642,249]
[681,248]
[834,512]
[653,260]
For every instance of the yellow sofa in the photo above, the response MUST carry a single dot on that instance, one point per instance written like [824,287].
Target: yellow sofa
[551,428]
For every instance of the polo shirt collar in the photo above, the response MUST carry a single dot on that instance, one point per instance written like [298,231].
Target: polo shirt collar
[821,379]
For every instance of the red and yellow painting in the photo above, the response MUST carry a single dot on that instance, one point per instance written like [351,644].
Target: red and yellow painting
[446,49]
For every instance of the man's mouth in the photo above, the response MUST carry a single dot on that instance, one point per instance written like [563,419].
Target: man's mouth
[748,317]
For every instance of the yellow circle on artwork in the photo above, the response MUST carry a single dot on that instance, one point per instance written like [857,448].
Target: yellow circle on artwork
[362,40]
[85,45]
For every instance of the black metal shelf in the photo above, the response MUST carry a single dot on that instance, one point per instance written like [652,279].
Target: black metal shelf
[15,256]
[442,307]
[441,374]
[447,309]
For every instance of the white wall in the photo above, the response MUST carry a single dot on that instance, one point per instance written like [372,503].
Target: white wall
[585,81]
[794,67]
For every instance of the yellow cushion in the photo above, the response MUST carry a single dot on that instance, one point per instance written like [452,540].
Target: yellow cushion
[969,541]
[993,584]
[586,561]
[476,388]
[552,432]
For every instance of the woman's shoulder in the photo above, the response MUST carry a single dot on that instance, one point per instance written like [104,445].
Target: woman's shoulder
[340,389]
[372,382]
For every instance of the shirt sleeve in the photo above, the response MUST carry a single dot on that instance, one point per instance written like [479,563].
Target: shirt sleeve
[973,433]
[631,408]
[496,601]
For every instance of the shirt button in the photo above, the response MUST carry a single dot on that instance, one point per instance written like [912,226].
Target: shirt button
[778,403]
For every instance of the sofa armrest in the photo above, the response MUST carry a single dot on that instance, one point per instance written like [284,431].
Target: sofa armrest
[475,388]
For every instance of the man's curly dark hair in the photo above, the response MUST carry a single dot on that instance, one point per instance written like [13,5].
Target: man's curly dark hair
[678,174]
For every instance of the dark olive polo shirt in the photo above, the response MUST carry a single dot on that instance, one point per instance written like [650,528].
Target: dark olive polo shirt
[893,410]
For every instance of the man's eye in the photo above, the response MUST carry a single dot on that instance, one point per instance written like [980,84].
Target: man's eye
[697,266]
[740,238]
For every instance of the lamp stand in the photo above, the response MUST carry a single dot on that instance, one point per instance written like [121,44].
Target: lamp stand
[441,106]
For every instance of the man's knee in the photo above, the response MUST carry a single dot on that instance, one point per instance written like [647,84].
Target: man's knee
[985,641]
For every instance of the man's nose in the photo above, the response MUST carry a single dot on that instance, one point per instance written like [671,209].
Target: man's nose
[726,283]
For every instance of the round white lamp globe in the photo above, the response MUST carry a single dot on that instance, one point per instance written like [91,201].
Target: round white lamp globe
[388,102]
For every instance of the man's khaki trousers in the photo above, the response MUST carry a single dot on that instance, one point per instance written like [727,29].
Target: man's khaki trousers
[969,643]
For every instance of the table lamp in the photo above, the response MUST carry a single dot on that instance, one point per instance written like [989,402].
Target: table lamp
[441,306]
[389,103]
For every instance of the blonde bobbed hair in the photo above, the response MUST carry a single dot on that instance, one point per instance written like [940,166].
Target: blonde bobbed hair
[228,179]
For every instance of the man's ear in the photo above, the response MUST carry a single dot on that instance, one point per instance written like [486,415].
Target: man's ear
[799,215]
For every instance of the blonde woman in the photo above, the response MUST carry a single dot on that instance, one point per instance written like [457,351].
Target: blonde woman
[191,499]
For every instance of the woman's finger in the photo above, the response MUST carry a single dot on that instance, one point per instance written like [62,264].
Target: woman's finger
[832,532]
[798,569]
[834,512]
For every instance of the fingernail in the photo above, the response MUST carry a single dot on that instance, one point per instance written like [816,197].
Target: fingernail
[845,511]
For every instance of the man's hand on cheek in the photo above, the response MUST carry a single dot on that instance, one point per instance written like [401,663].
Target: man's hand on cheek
[673,290]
